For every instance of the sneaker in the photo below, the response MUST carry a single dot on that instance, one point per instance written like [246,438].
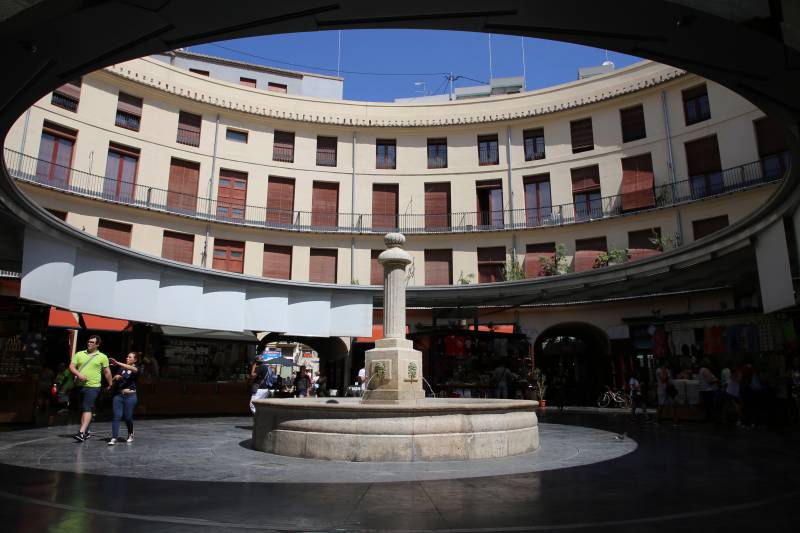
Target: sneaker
[130,438]
[112,441]
[88,435]
[80,437]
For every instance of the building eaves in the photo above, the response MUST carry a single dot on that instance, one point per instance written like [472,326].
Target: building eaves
[251,66]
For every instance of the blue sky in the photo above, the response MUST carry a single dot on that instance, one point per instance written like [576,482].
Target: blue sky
[403,57]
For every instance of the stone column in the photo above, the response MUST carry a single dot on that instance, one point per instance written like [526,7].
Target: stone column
[394,368]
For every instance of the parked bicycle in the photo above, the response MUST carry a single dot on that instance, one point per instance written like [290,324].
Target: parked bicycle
[614,398]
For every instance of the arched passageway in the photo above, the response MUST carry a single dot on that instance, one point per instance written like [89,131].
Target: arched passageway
[333,354]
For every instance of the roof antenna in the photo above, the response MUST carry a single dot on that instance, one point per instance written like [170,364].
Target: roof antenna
[608,62]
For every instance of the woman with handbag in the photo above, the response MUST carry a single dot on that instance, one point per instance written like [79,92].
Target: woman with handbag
[124,399]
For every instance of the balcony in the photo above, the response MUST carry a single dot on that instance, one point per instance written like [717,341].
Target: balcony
[64,101]
[28,169]
[188,137]
[128,120]
[284,154]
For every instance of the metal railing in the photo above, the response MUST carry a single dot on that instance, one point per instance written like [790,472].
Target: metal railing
[67,102]
[128,120]
[188,137]
[43,173]
[284,154]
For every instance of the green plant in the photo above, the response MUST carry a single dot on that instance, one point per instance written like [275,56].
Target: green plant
[465,279]
[663,242]
[540,381]
[513,270]
[614,256]
[354,281]
[555,265]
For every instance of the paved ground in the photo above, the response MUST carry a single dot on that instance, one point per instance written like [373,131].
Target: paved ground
[199,475]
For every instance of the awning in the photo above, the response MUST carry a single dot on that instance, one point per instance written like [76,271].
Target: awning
[63,319]
[101,323]
[239,336]
[508,328]
[377,333]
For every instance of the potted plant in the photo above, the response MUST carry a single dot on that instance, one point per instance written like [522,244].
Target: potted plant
[540,381]
[556,265]
[615,256]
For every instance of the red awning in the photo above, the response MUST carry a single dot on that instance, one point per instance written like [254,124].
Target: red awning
[377,333]
[508,328]
[101,323]
[63,319]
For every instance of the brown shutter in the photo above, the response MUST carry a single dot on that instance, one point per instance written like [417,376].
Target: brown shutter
[182,189]
[326,151]
[533,268]
[59,130]
[585,179]
[632,120]
[384,205]
[587,251]
[490,264]
[283,146]
[438,267]
[130,104]
[437,205]
[280,200]
[228,256]
[231,193]
[199,71]
[582,136]
[322,265]
[178,247]
[71,89]
[247,82]
[640,245]
[324,204]
[190,121]
[707,226]
[115,232]
[375,268]
[702,156]
[637,182]
[277,261]
[770,137]
[276,87]
[58,214]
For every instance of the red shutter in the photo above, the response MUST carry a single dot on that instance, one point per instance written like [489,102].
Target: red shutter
[129,104]
[384,205]
[702,156]
[322,265]
[707,226]
[437,205]
[639,244]
[770,136]
[438,267]
[182,189]
[533,252]
[178,247]
[228,256]
[283,146]
[232,193]
[375,268]
[585,179]
[277,261]
[490,264]
[637,182]
[632,121]
[280,200]
[115,232]
[587,251]
[582,135]
[324,204]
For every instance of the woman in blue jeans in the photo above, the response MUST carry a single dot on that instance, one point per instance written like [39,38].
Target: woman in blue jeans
[124,394]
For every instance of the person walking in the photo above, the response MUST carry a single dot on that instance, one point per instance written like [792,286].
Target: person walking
[124,397]
[666,392]
[708,388]
[637,398]
[501,377]
[88,366]
[301,383]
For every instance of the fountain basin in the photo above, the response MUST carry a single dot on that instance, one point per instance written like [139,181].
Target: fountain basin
[430,429]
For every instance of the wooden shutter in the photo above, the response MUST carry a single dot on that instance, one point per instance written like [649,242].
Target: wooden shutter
[182,189]
[322,265]
[582,135]
[770,137]
[56,150]
[247,82]
[189,126]
[116,232]
[533,268]
[707,226]
[326,151]
[437,205]
[490,264]
[375,268]
[122,165]
[277,261]
[384,205]
[228,256]
[276,87]
[438,267]
[637,182]
[71,89]
[231,194]
[178,247]
[129,104]
[585,179]
[324,204]
[283,146]
[587,251]
[280,200]
[632,120]
[640,245]
[199,71]
[702,156]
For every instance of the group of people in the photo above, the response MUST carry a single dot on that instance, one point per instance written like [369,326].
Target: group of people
[300,385]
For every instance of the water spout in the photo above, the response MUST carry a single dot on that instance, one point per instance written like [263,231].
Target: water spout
[425,381]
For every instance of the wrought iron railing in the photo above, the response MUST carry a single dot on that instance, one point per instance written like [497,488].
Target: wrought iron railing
[128,120]
[40,172]
[189,137]
[67,102]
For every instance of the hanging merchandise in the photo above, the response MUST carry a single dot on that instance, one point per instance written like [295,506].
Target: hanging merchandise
[713,341]
[660,343]
[680,338]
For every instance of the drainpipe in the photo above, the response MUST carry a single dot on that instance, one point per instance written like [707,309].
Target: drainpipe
[24,139]
[353,211]
[510,193]
[210,190]
[671,164]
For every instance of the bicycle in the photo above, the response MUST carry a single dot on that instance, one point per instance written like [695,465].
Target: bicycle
[618,398]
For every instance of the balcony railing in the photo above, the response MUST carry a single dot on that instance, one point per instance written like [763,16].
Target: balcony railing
[67,102]
[188,137]
[128,120]
[32,170]
[284,154]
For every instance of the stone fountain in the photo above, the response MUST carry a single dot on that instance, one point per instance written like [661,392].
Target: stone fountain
[394,421]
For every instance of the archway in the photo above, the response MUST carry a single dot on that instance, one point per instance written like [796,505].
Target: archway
[333,354]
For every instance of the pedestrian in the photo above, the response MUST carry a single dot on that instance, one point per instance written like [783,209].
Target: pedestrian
[666,392]
[708,388]
[501,376]
[87,366]
[301,383]
[362,378]
[322,385]
[64,382]
[637,397]
[315,384]
[263,382]
[124,398]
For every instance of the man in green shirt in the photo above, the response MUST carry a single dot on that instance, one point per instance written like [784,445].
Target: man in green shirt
[87,366]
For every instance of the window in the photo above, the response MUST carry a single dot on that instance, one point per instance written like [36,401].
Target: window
[326,151]
[582,135]
[487,150]
[189,128]
[277,261]
[375,268]
[68,95]
[276,87]
[437,206]
[231,194]
[322,265]
[280,200]
[384,206]
[116,232]
[199,71]
[283,147]
[228,256]
[55,154]
[490,203]
[534,252]
[182,188]
[586,192]
[178,247]
[695,105]
[129,112]
[247,82]
[533,142]
[237,136]
[61,215]
[587,252]
[773,150]
[632,121]
[491,262]
[637,182]
[385,153]
[705,168]
[538,207]
[437,153]
[438,267]
[324,204]
[121,167]
[707,226]
[641,245]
